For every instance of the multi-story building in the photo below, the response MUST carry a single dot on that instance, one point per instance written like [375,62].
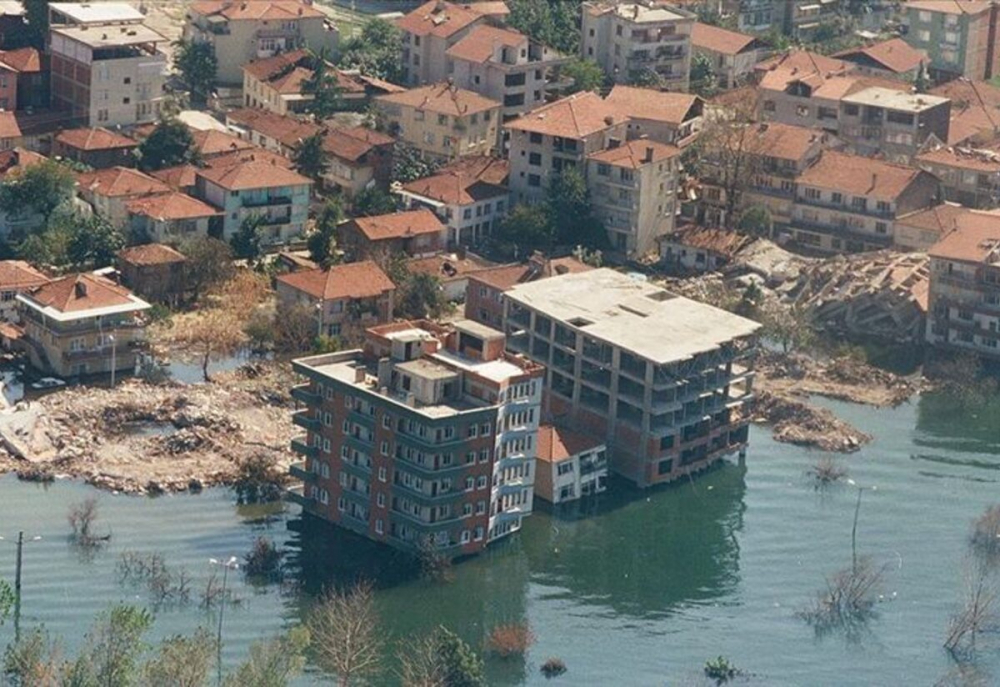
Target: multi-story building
[570,464]
[804,89]
[891,123]
[24,79]
[470,196]
[964,299]
[428,32]
[171,217]
[633,191]
[969,176]
[425,438]
[801,19]
[108,74]
[279,196]
[757,16]
[894,58]
[356,158]
[958,36]
[277,133]
[672,118]
[441,121]
[505,66]
[16,276]
[665,380]
[243,31]
[82,324]
[155,271]
[97,148]
[560,136]
[631,39]
[975,111]
[732,55]
[847,203]
[415,233]
[919,231]
[346,298]
[110,190]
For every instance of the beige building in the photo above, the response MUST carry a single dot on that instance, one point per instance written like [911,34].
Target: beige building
[110,190]
[357,158]
[569,465]
[893,58]
[428,32]
[171,217]
[672,118]
[731,54]
[16,276]
[442,121]
[631,38]
[241,32]
[277,133]
[893,124]
[919,231]
[633,190]
[82,324]
[969,175]
[505,66]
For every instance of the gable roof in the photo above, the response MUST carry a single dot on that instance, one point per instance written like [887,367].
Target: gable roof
[171,206]
[574,116]
[353,142]
[241,157]
[507,277]
[94,139]
[442,98]
[556,444]
[212,142]
[117,182]
[895,55]
[399,225]
[950,6]
[151,254]
[454,188]
[491,170]
[716,39]
[267,67]
[439,18]
[975,109]
[286,130]
[447,267]
[181,176]
[8,125]
[362,279]
[237,10]
[18,275]
[979,160]
[253,174]
[940,219]
[76,293]
[974,237]
[657,106]
[481,43]
[22,60]
[636,153]
[784,141]
[722,241]
[859,176]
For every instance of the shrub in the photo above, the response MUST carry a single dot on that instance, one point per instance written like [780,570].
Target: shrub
[264,559]
[259,480]
[81,519]
[553,667]
[510,639]
[985,538]
[720,670]
[827,471]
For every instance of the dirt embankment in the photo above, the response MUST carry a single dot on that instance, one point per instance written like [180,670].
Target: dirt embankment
[141,438]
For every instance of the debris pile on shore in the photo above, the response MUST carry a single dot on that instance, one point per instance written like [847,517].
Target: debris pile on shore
[795,422]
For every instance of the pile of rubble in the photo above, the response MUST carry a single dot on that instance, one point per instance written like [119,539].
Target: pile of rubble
[796,422]
[141,438]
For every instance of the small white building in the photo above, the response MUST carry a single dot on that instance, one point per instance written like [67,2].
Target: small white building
[569,465]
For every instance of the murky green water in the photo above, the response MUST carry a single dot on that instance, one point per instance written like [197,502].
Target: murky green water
[639,590]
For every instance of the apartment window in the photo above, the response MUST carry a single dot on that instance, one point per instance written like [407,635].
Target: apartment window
[664,467]
[603,169]
[344,452]
[484,456]
[802,111]
[535,159]
[429,137]
[127,80]
[924,36]
[925,17]
[465,537]
[126,101]
[627,175]
[481,482]
[485,430]
[535,137]
[812,194]
[837,198]
[467,213]
[881,227]
[564,468]
[618,30]
[859,203]
[379,527]
[470,483]
[768,106]
[386,421]
[473,431]
[882,206]
[326,446]
[102,115]
[380,500]
[534,180]
[442,120]
[381,474]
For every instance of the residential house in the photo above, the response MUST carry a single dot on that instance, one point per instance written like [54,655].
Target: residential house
[210,144]
[414,233]
[346,299]
[452,270]
[424,438]
[969,176]
[569,465]
[731,54]
[893,58]
[802,19]
[181,178]
[633,193]
[98,147]
[672,118]
[664,380]
[243,157]
[975,111]
[560,136]
[275,194]
[804,89]
[428,31]
[16,276]
[357,158]
[442,121]
[470,196]
[82,324]
[106,65]
[24,79]
[695,248]
[633,39]
[505,66]
[155,271]
[891,123]
[241,32]
[277,133]
[486,289]
[964,298]
[109,190]
[171,217]
[847,203]
[918,231]
[959,36]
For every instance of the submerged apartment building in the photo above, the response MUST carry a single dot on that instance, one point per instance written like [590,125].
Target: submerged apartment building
[663,379]
[426,436]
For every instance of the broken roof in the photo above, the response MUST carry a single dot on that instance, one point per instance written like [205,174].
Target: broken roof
[211,142]
[441,19]
[352,143]
[94,139]
[353,280]
[722,241]
[556,444]
[120,182]
[151,254]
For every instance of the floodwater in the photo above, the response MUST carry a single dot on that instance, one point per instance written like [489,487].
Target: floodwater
[635,589]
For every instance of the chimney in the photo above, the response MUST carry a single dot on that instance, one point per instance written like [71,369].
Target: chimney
[460,252]
[648,157]
[80,289]
[359,375]
[536,263]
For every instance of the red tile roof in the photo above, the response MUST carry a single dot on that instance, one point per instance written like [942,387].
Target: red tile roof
[77,292]
[212,142]
[556,444]
[266,68]
[950,6]
[242,157]
[894,55]
[719,40]
[120,182]
[509,276]
[8,126]
[859,176]
[171,206]
[17,275]
[236,10]
[636,153]
[975,109]
[722,241]
[94,139]
[253,174]
[940,219]
[22,60]
[151,254]
[657,106]
[490,170]
[441,98]
[447,267]
[11,161]
[439,18]
[574,116]
[974,238]
[399,225]
[971,159]
[480,44]
[287,130]
[784,141]
[179,177]
[354,280]
[352,143]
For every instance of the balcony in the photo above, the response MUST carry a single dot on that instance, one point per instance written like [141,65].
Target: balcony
[270,201]
[303,394]
[299,471]
[305,420]
[304,449]
[297,495]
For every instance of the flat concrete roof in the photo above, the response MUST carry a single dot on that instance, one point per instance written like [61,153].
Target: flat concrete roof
[477,329]
[641,13]
[633,315]
[425,369]
[97,12]
[894,100]
[110,36]
[493,370]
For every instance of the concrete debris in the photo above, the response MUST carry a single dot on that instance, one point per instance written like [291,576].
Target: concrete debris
[796,422]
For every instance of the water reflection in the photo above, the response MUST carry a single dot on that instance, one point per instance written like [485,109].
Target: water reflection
[951,436]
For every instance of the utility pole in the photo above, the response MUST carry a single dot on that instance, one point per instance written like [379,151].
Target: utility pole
[226,565]
[17,589]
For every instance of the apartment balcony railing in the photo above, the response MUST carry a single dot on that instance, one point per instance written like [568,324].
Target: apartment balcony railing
[843,207]
[303,449]
[306,420]
[303,394]
[299,471]
[266,202]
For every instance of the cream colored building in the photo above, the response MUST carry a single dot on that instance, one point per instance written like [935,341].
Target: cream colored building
[442,121]
[428,31]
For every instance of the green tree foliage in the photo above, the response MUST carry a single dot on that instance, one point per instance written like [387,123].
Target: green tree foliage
[169,144]
[527,228]
[756,221]
[181,661]
[310,158]
[273,663]
[113,647]
[6,600]
[462,666]
[322,243]
[703,79]
[32,661]
[322,84]
[418,295]
[587,75]
[246,242]
[373,201]
[198,65]
[556,24]
[571,214]
[42,187]
[209,263]
[408,165]
[36,29]
[93,241]
[375,51]
[921,83]
[645,78]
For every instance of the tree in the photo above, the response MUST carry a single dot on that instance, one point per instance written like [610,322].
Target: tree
[645,77]
[93,241]
[246,242]
[310,158]
[703,79]
[6,600]
[36,29]
[373,201]
[322,242]
[322,84]
[32,662]
[273,663]
[552,23]
[788,326]
[347,638]
[408,165]
[181,661]
[295,329]
[209,334]
[418,295]
[755,221]
[113,647]
[375,51]
[43,187]
[587,75]
[527,228]
[921,83]
[419,663]
[570,212]
[198,65]
[209,262]
[462,666]
[169,144]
